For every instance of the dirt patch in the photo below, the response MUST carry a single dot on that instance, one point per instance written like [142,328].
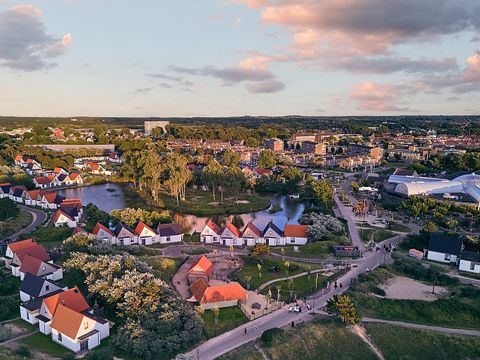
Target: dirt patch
[400,287]
[15,329]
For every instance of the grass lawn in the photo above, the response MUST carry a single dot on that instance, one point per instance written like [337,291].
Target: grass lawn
[165,267]
[378,235]
[311,250]
[49,235]
[244,352]
[44,344]
[268,271]
[320,339]
[401,343]
[394,226]
[200,203]
[228,319]
[301,287]
[15,224]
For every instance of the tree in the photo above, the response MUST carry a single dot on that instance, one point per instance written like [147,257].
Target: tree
[430,227]
[8,209]
[322,192]
[176,176]
[259,268]
[287,267]
[266,159]
[213,175]
[231,158]
[248,279]
[343,307]
[216,313]
[259,251]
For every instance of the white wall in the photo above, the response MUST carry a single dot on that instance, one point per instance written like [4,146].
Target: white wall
[440,257]
[220,304]
[465,266]
[28,316]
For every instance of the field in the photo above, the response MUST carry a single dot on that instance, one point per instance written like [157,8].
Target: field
[229,318]
[301,287]
[44,344]
[311,250]
[165,267]
[401,343]
[268,271]
[377,235]
[201,203]
[13,225]
[245,352]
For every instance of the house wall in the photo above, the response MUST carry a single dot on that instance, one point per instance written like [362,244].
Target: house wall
[465,265]
[296,241]
[173,239]
[44,328]
[28,316]
[440,257]
[220,304]
[66,341]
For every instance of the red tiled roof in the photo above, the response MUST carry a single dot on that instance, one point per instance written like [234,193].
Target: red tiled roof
[18,157]
[100,226]
[19,245]
[93,166]
[33,194]
[73,176]
[211,294]
[251,226]
[295,230]
[233,229]
[71,298]
[141,226]
[50,197]
[215,228]
[59,213]
[79,230]
[202,265]
[42,180]
[37,251]
[30,265]
[58,170]
[67,321]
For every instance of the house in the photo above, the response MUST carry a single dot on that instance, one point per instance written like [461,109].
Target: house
[45,182]
[62,218]
[58,171]
[75,203]
[33,167]
[103,233]
[34,287]
[231,236]
[39,267]
[74,179]
[51,200]
[202,269]
[96,168]
[37,251]
[251,235]
[79,230]
[124,235]
[469,262]
[71,322]
[16,193]
[444,248]
[13,247]
[168,233]
[208,297]
[5,190]
[273,235]
[211,233]
[31,197]
[146,235]
[295,234]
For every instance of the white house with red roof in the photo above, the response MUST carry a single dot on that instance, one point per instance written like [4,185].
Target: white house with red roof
[31,197]
[13,247]
[62,218]
[231,236]
[35,266]
[146,235]
[210,296]
[295,234]
[252,235]
[211,233]
[103,233]
[37,251]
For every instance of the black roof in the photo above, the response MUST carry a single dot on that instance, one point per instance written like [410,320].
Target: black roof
[446,244]
[405,172]
[70,210]
[274,227]
[169,229]
[18,192]
[119,228]
[6,188]
[470,256]
[33,305]
[32,284]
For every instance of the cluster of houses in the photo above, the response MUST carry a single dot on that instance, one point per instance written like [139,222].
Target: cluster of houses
[450,250]
[59,311]
[121,234]
[59,177]
[41,198]
[208,295]
[292,234]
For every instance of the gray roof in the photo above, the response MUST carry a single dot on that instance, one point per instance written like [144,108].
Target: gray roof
[169,229]
[32,284]
[470,256]
[445,244]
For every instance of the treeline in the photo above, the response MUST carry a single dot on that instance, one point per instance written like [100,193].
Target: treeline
[470,162]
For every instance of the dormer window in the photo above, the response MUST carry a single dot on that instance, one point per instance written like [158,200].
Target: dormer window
[47,287]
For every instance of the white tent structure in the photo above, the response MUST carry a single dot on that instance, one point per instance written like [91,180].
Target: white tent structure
[417,185]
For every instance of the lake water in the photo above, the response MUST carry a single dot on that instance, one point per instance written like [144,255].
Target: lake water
[114,199]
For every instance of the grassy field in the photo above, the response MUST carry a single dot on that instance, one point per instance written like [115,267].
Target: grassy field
[245,352]
[377,235]
[13,225]
[320,339]
[165,267]
[301,287]
[229,318]
[268,271]
[401,343]
[201,203]
[44,344]
[394,226]
[311,250]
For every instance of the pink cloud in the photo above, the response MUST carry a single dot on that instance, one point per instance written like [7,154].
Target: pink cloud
[28,10]
[373,97]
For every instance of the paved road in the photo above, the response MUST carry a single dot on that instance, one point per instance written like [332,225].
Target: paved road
[439,329]
[38,217]
[226,342]
[352,228]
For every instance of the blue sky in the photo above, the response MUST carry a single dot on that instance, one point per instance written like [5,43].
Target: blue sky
[239,57]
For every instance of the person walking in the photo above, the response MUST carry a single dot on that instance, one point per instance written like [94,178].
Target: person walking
[340,285]
[244,331]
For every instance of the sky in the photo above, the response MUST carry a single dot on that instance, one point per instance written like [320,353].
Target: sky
[239,57]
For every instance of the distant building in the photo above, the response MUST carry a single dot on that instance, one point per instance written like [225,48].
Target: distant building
[274,144]
[312,147]
[149,125]
[444,248]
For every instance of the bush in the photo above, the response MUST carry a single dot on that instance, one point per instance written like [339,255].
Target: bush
[268,335]
[378,291]
[24,351]
[8,209]
[418,271]
[68,356]
[4,333]
[100,354]
[8,307]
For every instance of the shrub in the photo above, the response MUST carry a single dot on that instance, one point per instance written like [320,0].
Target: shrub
[68,356]
[268,335]
[24,351]
[4,333]
[378,291]
[100,354]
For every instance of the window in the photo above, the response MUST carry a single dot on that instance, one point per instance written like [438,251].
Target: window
[168,238]
[44,268]
[447,257]
[59,337]
[47,287]
[28,316]
[472,266]
[86,325]
[292,240]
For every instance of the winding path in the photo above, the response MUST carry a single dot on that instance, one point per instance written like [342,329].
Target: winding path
[38,217]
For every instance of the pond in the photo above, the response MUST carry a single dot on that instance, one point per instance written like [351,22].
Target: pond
[110,196]
[105,196]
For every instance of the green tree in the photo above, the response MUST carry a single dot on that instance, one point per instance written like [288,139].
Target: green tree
[213,176]
[231,158]
[322,192]
[266,159]
[259,251]
[343,307]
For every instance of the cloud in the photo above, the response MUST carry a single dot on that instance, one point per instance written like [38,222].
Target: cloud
[24,42]
[259,79]
[164,77]
[373,97]
[143,90]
